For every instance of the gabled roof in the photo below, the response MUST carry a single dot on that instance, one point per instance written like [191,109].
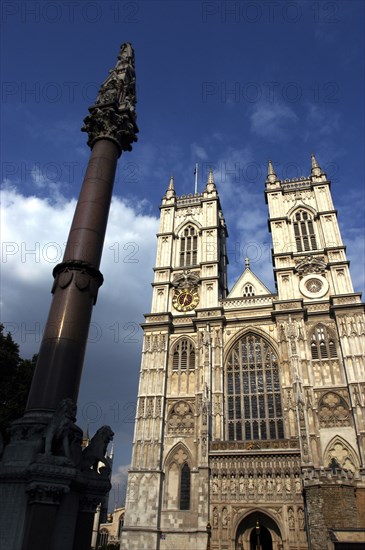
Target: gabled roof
[248,277]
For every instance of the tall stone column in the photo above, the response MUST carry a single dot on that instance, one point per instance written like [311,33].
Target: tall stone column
[49,487]
[111,126]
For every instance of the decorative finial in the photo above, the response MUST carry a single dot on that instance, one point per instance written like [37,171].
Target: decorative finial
[171,189]
[210,183]
[271,176]
[113,116]
[316,169]
[247,262]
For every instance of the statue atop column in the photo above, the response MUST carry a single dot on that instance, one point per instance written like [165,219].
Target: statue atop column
[113,115]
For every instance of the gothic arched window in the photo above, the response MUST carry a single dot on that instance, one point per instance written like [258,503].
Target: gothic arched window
[184,356]
[253,395]
[323,345]
[305,237]
[248,290]
[184,500]
[103,537]
[189,247]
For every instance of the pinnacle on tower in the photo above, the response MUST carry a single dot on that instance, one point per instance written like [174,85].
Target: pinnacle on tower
[171,189]
[210,183]
[247,262]
[316,169]
[271,176]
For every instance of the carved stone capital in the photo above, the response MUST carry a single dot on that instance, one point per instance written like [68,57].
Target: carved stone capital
[45,493]
[89,503]
[113,116]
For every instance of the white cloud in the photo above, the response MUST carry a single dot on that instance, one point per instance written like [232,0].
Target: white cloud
[34,234]
[272,120]
[198,152]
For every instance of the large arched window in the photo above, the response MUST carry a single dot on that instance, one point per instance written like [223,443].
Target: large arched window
[184,500]
[184,356]
[189,247]
[103,537]
[253,396]
[323,345]
[305,237]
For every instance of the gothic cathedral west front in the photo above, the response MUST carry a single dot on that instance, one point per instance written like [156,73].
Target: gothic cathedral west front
[250,422]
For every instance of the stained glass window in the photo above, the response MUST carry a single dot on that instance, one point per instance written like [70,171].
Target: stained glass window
[189,247]
[305,237]
[253,394]
[185,488]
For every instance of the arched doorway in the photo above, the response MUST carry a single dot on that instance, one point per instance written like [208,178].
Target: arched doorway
[260,538]
[257,531]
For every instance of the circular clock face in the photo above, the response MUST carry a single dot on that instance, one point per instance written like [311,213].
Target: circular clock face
[313,286]
[185,299]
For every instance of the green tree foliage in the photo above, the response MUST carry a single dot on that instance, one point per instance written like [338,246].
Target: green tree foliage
[15,378]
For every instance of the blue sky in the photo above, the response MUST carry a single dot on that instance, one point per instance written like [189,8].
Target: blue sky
[224,84]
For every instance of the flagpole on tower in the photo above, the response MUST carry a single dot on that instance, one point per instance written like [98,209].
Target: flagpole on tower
[196,178]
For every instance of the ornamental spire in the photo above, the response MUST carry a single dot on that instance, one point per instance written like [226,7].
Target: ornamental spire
[210,183]
[113,115]
[271,176]
[316,169]
[171,189]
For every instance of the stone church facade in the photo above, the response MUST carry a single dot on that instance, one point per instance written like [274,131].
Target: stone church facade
[250,421]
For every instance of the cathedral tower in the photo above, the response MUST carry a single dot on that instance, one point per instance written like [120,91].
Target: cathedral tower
[250,419]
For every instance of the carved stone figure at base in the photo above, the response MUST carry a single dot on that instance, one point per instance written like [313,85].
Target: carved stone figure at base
[95,452]
[59,428]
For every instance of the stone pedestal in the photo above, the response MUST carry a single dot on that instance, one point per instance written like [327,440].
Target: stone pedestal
[43,496]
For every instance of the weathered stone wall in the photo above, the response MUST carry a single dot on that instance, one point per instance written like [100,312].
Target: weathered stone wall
[330,506]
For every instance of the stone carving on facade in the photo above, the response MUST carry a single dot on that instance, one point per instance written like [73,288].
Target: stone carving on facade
[233,485]
[260,485]
[342,452]
[215,484]
[59,430]
[279,485]
[180,456]
[310,264]
[242,485]
[147,343]
[251,484]
[301,518]
[113,116]
[158,406]
[95,452]
[269,485]
[181,419]
[149,408]
[215,517]
[333,411]
[291,518]
[141,406]
[186,279]
[224,485]
[298,484]
[225,517]
[287,484]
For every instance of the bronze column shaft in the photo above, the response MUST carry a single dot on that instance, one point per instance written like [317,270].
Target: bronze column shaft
[77,280]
